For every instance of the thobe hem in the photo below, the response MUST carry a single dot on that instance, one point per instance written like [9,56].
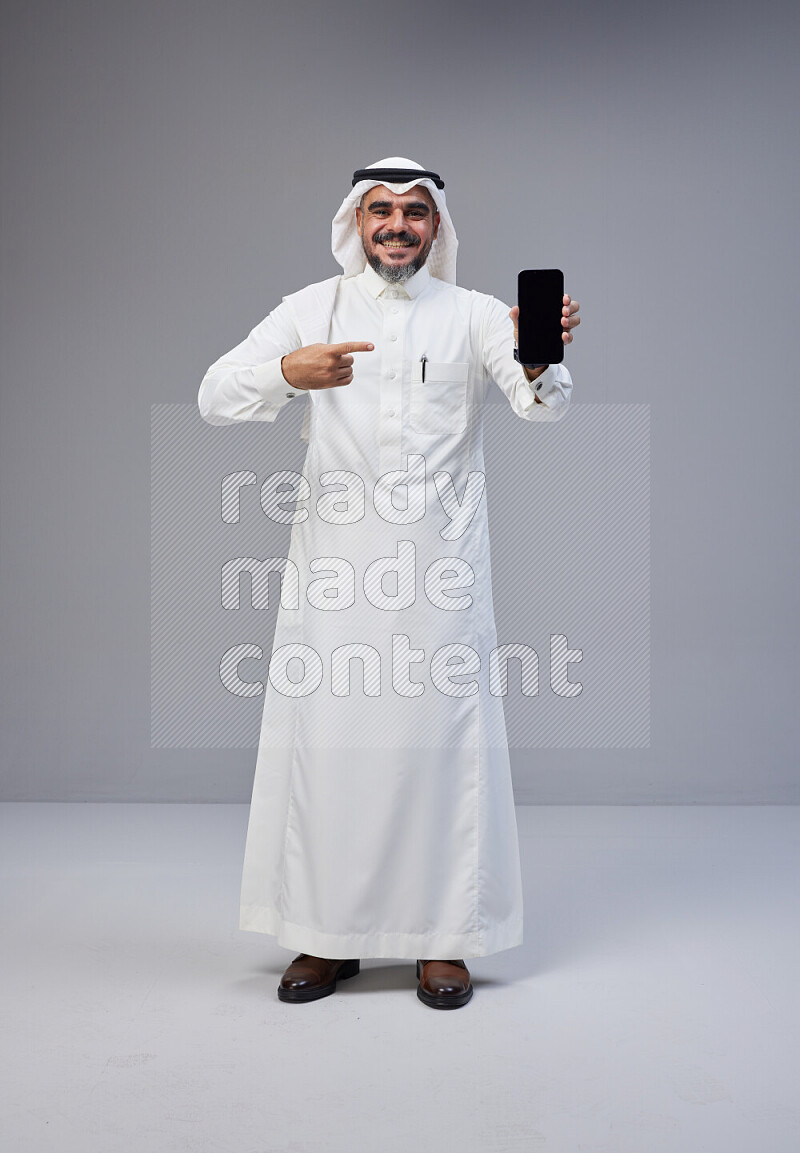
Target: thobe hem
[502,935]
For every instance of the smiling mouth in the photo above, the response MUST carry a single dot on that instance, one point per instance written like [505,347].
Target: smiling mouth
[397,243]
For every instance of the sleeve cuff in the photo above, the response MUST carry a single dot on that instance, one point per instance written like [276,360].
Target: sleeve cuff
[272,385]
[544,385]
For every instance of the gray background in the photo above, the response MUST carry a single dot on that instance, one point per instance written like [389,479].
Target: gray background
[170,171]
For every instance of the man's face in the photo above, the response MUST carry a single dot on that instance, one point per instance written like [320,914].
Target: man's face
[397,231]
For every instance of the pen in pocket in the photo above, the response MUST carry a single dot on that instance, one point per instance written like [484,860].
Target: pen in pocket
[423,359]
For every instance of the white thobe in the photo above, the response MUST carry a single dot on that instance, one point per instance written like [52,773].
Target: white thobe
[382,817]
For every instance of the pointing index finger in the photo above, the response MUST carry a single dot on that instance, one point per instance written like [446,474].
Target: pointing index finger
[353,346]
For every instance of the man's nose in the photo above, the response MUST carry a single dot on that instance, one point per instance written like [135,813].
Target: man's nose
[397,221]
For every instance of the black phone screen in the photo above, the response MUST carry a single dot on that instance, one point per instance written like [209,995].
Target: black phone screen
[540,294]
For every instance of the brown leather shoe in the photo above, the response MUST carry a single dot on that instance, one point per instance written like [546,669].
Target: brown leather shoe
[443,984]
[309,978]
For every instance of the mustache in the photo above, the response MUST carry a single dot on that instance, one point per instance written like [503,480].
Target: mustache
[403,237]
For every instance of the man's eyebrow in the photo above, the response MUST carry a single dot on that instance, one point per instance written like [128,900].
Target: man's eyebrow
[417,205]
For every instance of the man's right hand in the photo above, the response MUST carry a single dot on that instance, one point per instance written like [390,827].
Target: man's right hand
[321,365]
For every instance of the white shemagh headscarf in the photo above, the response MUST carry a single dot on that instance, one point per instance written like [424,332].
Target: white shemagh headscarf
[346,242]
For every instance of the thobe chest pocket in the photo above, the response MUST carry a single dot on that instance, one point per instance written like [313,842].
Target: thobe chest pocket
[439,402]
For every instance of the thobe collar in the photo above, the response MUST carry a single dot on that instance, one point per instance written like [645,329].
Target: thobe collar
[376,285]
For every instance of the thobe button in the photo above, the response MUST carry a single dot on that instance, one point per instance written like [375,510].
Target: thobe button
[390,412]
[395,311]
[391,375]
[393,337]
[291,394]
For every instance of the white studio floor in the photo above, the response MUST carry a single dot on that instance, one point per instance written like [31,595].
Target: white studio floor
[653,1008]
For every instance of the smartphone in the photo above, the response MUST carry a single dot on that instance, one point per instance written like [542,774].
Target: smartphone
[540,293]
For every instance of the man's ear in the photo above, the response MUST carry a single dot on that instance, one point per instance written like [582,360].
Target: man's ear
[358,218]
[436,220]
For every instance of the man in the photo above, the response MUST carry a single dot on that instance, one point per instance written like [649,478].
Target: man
[382,818]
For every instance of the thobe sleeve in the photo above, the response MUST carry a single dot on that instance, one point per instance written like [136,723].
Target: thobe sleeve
[553,386]
[247,383]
